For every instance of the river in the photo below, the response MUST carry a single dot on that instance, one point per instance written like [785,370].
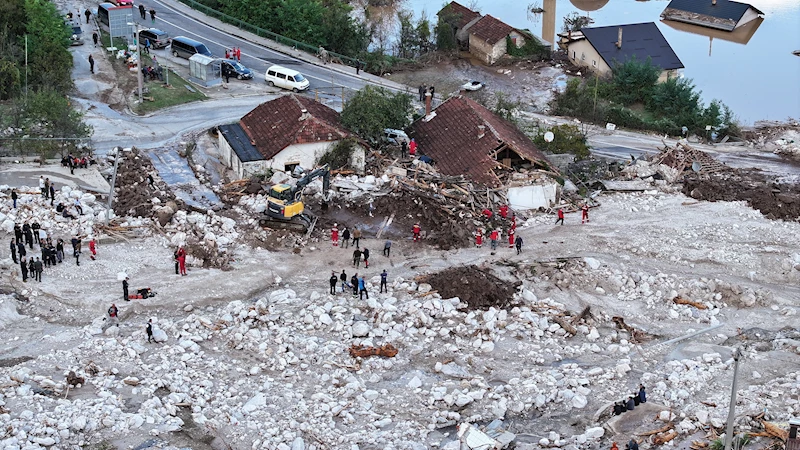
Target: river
[756,75]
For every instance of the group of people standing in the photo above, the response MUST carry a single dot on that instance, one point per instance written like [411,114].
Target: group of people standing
[143,13]
[52,253]
[356,283]
[495,235]
[234,53]
[423,90]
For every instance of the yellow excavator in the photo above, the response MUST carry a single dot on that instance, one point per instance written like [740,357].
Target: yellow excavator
[285,208]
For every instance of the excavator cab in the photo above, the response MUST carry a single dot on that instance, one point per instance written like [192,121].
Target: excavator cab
[282,204]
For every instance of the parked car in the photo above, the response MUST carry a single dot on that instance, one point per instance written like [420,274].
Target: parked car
[286,78]
[186,48]
[76,38]
[236,69]
[158,39]
[395,137]
[472,86]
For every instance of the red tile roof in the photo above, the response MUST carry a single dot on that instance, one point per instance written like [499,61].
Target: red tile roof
[465,15]
[459,146]
[279,123]
[490,30]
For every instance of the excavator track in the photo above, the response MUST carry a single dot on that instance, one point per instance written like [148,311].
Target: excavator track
[300,223]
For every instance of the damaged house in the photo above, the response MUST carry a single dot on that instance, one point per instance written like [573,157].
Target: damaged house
[725,15]
[464,138]
[461,19]
[282,134]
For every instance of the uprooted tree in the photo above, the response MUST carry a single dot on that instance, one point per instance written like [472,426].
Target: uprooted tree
[374,109]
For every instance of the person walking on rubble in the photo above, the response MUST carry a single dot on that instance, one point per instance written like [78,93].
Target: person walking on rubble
[346,238]
[493,237]
[362,289]
[149,330]
[356,258]
[585,213]
[614,446]
[632,445]
[354,283]
[182,260]
[23,266]
[384,280]
[387,248]
[113,315]
[416,230]
[365,253]
[14,250]
[343,279]
[511,233]
[92,248]
[356,237]
[334,279]
[479,238]
[14,198]
[560,216]
[38,269]
[335,235]
[125,296]
[518,243]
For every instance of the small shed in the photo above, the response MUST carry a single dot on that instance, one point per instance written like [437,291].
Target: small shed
[204,70]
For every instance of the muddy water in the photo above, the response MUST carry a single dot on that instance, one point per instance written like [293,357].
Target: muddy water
[758,78]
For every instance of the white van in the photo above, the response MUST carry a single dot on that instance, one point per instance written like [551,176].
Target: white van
[286,78]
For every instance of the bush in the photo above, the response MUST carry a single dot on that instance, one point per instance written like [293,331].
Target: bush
[566,139]
[339,154]
[372,109]
[633,81]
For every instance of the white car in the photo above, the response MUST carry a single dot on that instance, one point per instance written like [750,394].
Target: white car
[472,86]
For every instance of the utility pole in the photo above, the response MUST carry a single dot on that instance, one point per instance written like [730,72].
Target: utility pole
[138,58]
[117,157]
[732,408]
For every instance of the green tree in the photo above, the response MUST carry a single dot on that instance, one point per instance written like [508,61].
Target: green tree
[634,80]
[424,36]
[372,109]
[341,32]
[49,61]
[50,114]
[566,139]
[408,41]
[9,79]
[445,30]
[677,99]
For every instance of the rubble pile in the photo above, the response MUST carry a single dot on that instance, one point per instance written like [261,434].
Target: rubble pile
[781,138]
[32,207]
[477,287]
[776,200]
[277,372]
[133,194]
[208,237]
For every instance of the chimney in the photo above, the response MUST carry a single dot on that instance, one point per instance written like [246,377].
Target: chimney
[481,131]
[619,36]
[303,114]
[428,97]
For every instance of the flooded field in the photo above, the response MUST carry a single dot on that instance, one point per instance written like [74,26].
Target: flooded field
[751,70]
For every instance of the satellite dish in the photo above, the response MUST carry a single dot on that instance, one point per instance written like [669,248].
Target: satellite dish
[696,166]
[549,136]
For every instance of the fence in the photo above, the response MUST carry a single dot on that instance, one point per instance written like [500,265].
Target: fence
[264,33]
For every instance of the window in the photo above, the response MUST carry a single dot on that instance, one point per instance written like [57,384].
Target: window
[573,55]
[289,167]
[271,73]
[594,63]
[290,79]
[282,76]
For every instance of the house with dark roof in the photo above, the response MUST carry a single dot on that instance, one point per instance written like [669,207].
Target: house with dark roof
[460,18]
[601,48]
[464,138]
[487,38]
[281,134]
[724,15]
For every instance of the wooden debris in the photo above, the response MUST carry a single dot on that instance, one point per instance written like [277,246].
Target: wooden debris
[775,431]
[636,335]
[697,445]
[686,301]
[586,312]
[360,351]
[565,325]
[711,404]
[131,381]
[666,427]
[664,438]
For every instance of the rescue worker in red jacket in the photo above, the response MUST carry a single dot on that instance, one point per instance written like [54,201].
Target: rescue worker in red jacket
[479,238]
[511,237]
[493,237]
[504,211]
[416,230]
[335,235]
[585,213]
[182,260]
[560,216]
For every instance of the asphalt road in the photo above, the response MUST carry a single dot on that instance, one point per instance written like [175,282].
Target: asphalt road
[169,18]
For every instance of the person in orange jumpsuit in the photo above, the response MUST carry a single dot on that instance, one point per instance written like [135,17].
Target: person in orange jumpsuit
[479,238]
[335,235]
[93,248]
[182,260]
[503,211]
[585,213]
[416,230]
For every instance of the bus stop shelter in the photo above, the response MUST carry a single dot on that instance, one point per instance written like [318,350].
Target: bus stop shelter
[204,70]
